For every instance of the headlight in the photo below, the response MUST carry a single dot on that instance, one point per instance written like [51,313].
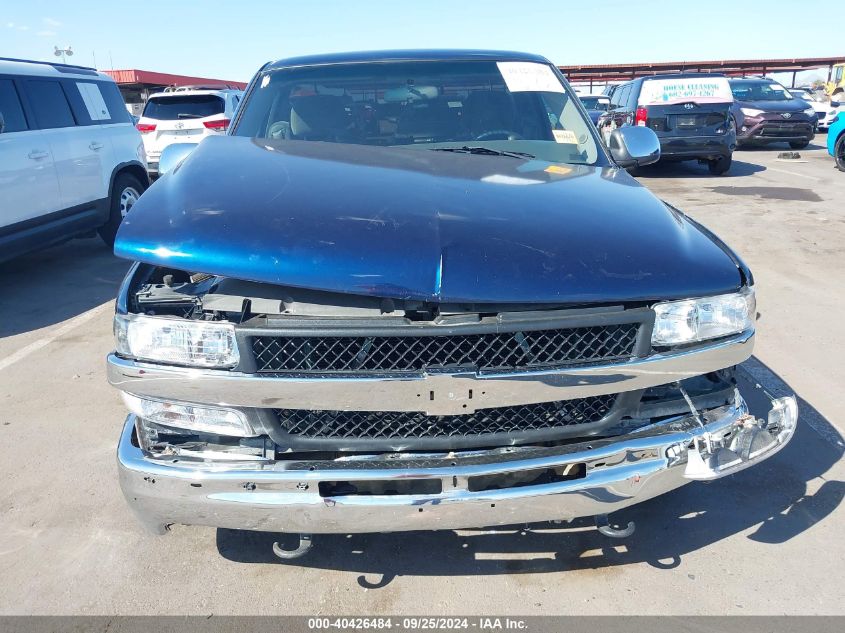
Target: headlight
[176,341]
[809,111]
[188,416]
[751,112]
[701,319]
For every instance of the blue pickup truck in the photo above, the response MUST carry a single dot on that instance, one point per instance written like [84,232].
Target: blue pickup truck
[415,291]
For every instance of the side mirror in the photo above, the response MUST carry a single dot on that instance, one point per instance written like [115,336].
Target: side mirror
[634,146]
[172,155]
[835,104]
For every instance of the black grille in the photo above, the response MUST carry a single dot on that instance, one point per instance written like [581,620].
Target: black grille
[404,425]
[493,351]
[778,128]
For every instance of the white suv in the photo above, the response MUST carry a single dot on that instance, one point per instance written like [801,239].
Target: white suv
[184,116]
[71,161]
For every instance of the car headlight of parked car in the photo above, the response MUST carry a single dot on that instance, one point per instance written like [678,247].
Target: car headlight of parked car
[751,112]
[809,111]
[176,341]
[693,320]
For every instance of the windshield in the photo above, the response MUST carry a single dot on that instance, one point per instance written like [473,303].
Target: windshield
[759,91]
[807,95]
[183,107]
[595,103]
[507,106]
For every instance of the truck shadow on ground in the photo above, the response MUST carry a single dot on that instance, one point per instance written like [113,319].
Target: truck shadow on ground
[691,169]
[55,284]
[772,500]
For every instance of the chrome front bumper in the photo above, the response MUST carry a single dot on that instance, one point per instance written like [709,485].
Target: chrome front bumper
[429,393]
[286,497]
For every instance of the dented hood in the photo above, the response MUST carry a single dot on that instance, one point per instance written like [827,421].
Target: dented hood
[420,224]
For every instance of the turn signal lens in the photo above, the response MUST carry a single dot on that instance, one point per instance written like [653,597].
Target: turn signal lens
[188,416]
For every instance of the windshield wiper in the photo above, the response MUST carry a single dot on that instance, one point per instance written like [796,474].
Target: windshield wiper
[485,151]
[185,115]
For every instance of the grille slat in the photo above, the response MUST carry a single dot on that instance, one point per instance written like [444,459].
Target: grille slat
[410,425]
[484,352]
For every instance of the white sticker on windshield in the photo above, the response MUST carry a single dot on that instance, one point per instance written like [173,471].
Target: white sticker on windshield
[529,77]
[565,136]
[93,100]
[777,87]
[684,90]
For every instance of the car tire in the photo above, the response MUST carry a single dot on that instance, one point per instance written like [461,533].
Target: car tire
[799,144]
[839,152]
[720,166]
[125,193]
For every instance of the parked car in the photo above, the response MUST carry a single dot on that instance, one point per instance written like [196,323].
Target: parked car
[71,162]
[414,291]
[689,112]
[184,116]
[836,141]
[766,113]
[595,105]
[825,110]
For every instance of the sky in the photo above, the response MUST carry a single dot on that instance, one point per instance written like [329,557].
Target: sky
[231,40]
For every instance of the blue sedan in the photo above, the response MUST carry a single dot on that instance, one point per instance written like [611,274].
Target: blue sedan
[836,141]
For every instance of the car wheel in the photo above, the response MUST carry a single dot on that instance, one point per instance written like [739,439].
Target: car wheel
[720,166]
[799,144]
[125,193]
[839,152]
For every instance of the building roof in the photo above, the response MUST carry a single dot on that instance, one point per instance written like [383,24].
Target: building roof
[151,78]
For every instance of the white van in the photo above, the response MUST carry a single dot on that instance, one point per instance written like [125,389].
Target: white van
[71,161]
[185,116]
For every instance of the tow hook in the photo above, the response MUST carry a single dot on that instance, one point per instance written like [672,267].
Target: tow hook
[613,531]
[304,547]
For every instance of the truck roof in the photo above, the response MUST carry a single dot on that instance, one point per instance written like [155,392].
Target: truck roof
[404,55]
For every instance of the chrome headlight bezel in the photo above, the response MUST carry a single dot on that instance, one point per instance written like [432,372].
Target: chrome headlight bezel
[175,341]
[703,319]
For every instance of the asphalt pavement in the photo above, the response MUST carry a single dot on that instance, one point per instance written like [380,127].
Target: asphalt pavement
[765,541]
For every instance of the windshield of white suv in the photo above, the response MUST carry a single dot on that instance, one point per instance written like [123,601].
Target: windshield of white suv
[518,107]
[167,108]
[759,91]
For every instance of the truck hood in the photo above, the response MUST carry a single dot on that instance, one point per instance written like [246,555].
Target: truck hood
[420,224]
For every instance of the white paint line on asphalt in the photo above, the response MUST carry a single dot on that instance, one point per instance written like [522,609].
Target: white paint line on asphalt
[794,173]
[41,343]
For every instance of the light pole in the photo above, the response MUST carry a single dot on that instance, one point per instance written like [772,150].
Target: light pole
[62,52]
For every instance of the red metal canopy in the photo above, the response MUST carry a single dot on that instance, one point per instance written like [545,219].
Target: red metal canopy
[150,78]
[623,72]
